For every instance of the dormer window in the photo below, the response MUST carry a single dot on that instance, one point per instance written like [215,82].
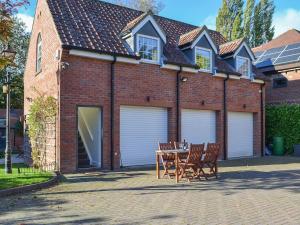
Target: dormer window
[148,48]
[203,58]
[243,66]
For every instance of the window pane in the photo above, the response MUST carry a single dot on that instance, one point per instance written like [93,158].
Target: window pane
[203,59]
[243,66]
[148,48]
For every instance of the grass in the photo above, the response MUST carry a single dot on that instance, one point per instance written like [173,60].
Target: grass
[16,180]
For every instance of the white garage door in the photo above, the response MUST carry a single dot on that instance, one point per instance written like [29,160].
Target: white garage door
[141,128]
[198,126]
[240,134]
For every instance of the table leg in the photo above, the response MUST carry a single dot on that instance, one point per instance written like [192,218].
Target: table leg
[157,166]
[176,167]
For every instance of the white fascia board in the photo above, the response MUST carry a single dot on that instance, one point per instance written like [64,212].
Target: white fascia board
[223,75]
[189,70]
[127,60]
[235,77]
[155,25]
[258,81]
[93,55]
[170,67]
[248,50]
[204,33]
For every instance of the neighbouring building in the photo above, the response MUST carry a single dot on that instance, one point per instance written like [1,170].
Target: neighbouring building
[279,60]
[126,80]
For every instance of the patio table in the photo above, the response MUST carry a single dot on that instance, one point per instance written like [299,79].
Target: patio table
[176,152]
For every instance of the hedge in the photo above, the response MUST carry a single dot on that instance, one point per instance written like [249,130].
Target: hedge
[283,121]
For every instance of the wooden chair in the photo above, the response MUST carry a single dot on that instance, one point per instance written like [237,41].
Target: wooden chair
[168,160]
[189,168]
[210,160]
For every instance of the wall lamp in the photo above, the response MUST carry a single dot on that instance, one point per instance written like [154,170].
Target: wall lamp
[184,79]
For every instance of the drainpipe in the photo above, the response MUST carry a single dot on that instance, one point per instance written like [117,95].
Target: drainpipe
[225,116]
[178,105]
[112,107]
[262,114]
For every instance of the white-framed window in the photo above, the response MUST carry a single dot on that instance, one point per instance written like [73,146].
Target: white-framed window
[243,66]
[39,54]
[149,48]
[203,58]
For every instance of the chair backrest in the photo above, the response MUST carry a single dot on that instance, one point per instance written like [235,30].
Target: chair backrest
[195,153]
[165,146]
[212,152]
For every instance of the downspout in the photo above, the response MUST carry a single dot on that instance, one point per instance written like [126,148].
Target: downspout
[262,118]
[178,104]
[225,116]
[112,107]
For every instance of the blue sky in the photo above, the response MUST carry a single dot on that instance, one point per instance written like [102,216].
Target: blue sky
[199,12]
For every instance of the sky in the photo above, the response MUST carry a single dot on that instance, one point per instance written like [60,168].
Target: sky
[204,12]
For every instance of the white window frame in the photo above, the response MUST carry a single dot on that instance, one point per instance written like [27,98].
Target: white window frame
[158,46]
[249,66]
[39,45]
[210,51]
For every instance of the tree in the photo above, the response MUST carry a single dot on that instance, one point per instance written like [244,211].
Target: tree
[248,19]
[7,9]
[230,18]
[257,32]
[143,5]
[268,9]
[237,30]
[19,41]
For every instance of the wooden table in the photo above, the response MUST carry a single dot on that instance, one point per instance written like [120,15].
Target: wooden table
[176,152]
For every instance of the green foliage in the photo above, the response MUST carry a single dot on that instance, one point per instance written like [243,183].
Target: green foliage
[248,19]
[42,110]
[254,22]
[20,43]
[229,19]
[283,121]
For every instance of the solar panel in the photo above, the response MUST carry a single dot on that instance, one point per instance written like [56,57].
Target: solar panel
[297,45]
[258,54]
[287,59]
[275,50]
[281,55]
[290,52]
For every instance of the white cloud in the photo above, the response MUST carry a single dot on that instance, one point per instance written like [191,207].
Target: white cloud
[286,20]
[210,22]
[28,20]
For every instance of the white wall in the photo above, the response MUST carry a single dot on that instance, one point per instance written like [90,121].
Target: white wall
[89,125]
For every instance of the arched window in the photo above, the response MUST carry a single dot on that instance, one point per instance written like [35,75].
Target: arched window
[39,54]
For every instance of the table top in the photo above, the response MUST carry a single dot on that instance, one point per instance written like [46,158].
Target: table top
[173,151]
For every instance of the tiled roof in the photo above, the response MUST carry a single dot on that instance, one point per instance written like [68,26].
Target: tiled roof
[97,26]
[290,37]
[134,22]
[190,36]
[230,47]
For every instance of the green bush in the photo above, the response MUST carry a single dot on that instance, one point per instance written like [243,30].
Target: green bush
[283,121]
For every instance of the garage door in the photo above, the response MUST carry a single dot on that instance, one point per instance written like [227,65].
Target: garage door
[141,128]
[240,134]
[198,126]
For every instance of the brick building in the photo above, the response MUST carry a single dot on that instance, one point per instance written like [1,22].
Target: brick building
[279,60]
[125,80]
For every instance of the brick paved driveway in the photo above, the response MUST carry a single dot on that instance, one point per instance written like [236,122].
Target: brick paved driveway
[257,191]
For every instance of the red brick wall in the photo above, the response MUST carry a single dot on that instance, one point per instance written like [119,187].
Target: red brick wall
[87,82]
[289,94]
[45,82]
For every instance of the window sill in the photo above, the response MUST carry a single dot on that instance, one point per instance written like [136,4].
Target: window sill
[206,71]
[37,73]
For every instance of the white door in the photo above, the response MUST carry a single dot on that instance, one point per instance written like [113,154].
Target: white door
[141,128]
[240,134]
[198,126]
